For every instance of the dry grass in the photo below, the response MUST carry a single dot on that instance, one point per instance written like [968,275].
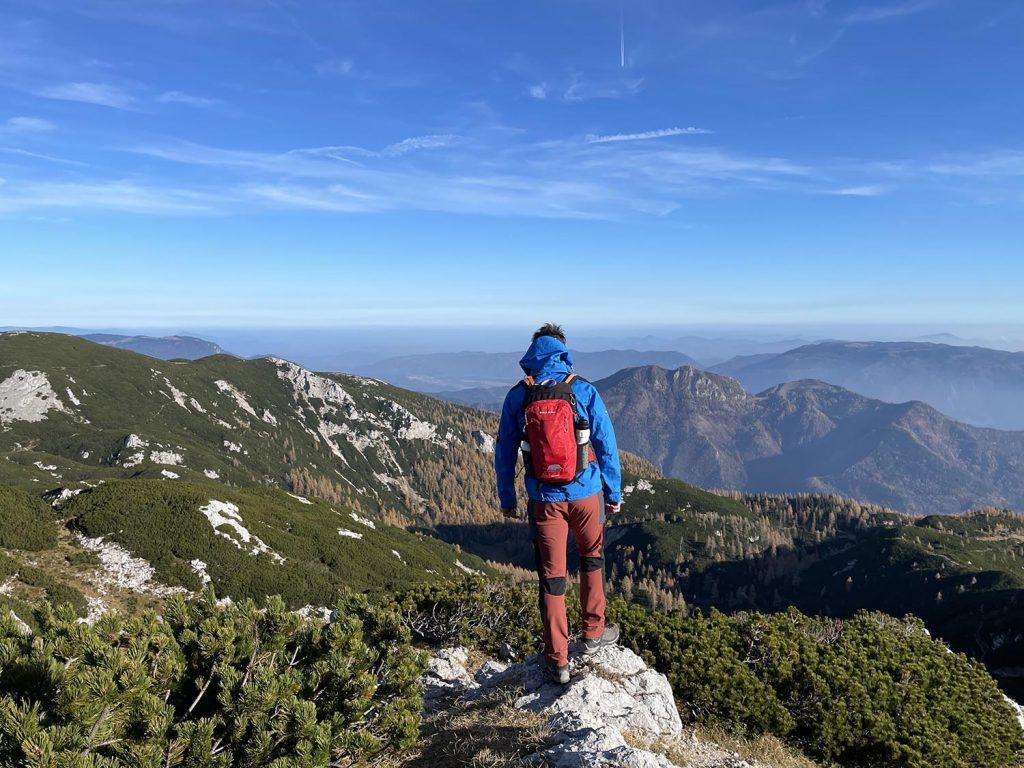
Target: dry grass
[713,748]
[487,732]
[766,750]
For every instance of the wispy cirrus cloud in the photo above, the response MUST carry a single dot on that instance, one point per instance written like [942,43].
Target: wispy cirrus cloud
[336,67]
[27,153]
[876,13]
[863,190]
[565,178]
[586,90]
[188,99]
[597,176]
[23,124]
[101,94]
[661,133]
[538,91]
[117,195]
[1000,163]
[581,89]
[432,141]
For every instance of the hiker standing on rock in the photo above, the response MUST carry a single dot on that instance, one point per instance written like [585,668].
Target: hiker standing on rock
[559,423]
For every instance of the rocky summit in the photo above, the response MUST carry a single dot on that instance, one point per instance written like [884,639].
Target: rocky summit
[615,711]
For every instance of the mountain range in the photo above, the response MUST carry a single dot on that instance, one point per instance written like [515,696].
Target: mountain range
[976,385]
[124,480]
[812,437]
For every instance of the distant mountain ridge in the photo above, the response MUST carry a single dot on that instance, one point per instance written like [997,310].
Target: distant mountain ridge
[980,386]
[810,436]
[160,347]
[452,371]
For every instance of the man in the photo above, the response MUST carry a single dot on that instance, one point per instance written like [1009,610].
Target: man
[559,423]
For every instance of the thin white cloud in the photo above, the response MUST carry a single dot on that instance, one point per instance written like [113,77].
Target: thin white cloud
[340,153]
[586,90]
[885,12]
[113,195]
[335,197]
[22,124]
[336,67]
[433,141]
[1002,163]
[188,99]
[40,156]
[863,190]
[580,89]
[593,138]
[101,94]
[816,7]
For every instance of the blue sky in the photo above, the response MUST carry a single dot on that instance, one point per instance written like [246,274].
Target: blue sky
[282,163]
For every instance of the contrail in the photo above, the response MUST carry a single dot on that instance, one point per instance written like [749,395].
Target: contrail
[622,39]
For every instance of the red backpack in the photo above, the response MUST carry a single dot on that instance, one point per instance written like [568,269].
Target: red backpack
[552,432]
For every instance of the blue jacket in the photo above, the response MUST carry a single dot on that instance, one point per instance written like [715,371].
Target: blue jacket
[548,358]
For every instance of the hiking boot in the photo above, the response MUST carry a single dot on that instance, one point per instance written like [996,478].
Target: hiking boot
[610,636]
[559,674]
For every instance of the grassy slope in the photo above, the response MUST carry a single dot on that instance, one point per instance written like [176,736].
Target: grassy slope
[161,522]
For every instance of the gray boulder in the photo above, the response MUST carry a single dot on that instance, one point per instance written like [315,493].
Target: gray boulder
[610,694]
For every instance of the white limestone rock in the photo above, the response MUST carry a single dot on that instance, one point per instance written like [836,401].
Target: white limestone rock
[484,441]
[27,396]
[614,687]
[446,675]
[610,694]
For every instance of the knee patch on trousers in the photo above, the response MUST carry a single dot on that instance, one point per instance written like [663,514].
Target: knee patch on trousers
[554,585]
[588,564]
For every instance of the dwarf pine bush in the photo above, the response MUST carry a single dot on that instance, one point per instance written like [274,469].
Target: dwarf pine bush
[208,686]
[26,522]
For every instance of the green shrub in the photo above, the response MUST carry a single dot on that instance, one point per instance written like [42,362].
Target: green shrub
[83,558]
[868,691]
[56,591]
[208,685]
[25,521]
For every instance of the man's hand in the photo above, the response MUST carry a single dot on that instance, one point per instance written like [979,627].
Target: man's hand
[611,507]
[511,513]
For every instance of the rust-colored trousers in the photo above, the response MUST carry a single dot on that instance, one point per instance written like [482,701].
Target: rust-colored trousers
[551,522]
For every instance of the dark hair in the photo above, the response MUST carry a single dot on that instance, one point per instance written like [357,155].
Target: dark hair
[550,329]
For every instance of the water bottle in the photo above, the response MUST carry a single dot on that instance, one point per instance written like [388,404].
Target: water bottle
[582,432]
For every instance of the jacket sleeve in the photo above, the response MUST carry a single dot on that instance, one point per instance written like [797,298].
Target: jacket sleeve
[606,450]
[506,450]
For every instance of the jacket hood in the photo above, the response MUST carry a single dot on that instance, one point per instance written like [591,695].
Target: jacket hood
[546,356]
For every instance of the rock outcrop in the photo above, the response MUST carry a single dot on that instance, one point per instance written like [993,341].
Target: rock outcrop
[616,711]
